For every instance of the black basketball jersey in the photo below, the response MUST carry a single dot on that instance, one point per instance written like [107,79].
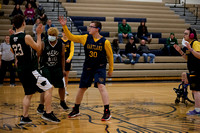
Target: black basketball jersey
[51,55]
[26,56]
[67,47]
[95,54]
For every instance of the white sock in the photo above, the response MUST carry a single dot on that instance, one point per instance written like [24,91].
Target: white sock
[197,109]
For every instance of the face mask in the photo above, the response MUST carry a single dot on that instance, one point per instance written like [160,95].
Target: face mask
[51,38]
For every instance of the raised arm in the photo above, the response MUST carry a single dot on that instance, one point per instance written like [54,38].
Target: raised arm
[29,40]
[75,38]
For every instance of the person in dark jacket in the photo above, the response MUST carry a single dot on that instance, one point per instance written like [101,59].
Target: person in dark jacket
[143,50]
[131,51]
[143,32]
[40,13]
[16,10]
[116,50]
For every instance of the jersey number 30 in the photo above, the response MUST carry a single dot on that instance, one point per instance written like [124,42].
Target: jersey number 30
[93,54]
[18,49]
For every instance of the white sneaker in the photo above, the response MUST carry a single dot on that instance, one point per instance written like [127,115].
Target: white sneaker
[66,93]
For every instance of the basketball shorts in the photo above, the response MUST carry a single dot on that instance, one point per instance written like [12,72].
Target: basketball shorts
[88,74]
[194,81]
[54,75]
[67,66]
[33,81]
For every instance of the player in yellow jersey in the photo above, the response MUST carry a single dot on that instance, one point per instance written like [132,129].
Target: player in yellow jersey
[69,53]
[97,50]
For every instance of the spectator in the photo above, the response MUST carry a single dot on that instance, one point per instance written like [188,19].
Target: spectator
[124,31]
[171,41]
[131,51]
[143,50]
[29,14]
[48,25]
[7,61]
[16,10]
[37,22]
[33,3]
[18,2]
[116,50]
[40,13]
[143,32]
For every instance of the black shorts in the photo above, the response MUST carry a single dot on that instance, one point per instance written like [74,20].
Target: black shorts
[33,81]
[194,81]
[88,74]
[54,75]
[67,66]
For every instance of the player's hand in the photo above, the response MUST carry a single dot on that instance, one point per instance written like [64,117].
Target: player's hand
[109,74]
[68,61]
[62,20]
[177,47]
[188,45]
[64,73]
[11,31]
[39,29]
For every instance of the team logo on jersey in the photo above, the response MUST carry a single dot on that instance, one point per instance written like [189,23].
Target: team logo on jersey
[15,39]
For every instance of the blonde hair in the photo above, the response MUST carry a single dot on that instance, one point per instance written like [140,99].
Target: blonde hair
[53,31]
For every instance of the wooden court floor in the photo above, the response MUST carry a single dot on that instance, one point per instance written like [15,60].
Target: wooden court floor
[135,107]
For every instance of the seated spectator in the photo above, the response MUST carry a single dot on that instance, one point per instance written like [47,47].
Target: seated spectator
[131,51]
[124,31]
[143,50]
[142,32]
[40,13]
[37,22]
[116,50]
[170,44]
[47,26]
[29,14]
[18,2]
[7,61]
[16,10]
[33,3]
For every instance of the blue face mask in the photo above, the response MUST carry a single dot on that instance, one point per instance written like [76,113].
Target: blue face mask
[51,38]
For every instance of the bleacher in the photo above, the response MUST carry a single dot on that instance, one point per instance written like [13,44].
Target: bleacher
[160,20]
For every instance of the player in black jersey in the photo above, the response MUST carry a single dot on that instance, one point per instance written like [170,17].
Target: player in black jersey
[52,64]
[25,48]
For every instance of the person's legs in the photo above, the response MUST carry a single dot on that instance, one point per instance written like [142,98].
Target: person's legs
[130,56]
[12,72]
[130,35]
[66,81]
[120,37]
[145,57]
[120,58]
[152,56]
[114,57]
[3,70]
[137,58]
[26,104]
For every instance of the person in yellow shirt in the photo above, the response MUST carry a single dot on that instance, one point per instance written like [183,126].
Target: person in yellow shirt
[69,53]
[97,50]
[192,56]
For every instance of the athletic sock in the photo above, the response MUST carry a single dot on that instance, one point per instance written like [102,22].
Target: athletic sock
[106,107]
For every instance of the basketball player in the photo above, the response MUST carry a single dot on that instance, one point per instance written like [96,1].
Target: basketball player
[69,52]
[24,48]
[97,49]
[52,63]
[192,56]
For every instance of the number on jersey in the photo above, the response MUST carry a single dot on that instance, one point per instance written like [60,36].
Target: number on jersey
[18,49]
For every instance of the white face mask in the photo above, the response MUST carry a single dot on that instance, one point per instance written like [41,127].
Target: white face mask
[51,38]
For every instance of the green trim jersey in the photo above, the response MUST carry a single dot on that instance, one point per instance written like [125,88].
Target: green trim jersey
[51,55]
[26,56]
